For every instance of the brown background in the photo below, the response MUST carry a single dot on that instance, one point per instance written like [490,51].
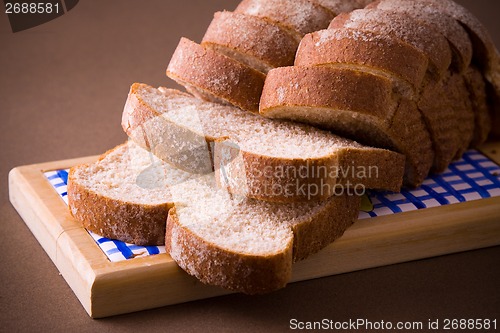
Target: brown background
[62,90]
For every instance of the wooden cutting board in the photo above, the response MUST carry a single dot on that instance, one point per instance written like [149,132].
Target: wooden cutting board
[108,288]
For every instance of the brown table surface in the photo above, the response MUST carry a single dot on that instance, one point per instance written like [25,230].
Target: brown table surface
[63,86]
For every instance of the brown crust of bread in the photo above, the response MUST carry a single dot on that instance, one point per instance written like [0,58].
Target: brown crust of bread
[255,41]
[251,274]
[301,16]
[335,88]
[371,51]
[404,27]
[455,34]
[328,225]
[221,267]
[484,50]
[440,119]
[308,94]
[138,224]
[215,75]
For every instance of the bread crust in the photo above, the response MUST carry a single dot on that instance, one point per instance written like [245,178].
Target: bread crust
[255,41]
[476,86]
[139,224]
[215,75]
[377,52]
[301,16]
[297,180]
[342,6]
[404,27]
[253,274]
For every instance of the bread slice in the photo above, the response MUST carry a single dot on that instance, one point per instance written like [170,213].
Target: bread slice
[247,245]
[254,41]
[367,51]
[404,27]
[212,76]
[267,148]
[298,16]
[352,103]
[124,195]
[455,34]
[342,6]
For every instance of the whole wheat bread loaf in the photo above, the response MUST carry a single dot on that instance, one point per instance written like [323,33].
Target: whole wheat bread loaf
[181,129]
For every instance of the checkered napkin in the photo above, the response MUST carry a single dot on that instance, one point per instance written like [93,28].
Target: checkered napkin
[471,178]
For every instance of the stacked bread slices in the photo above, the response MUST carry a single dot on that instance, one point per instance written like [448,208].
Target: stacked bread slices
[237,196]
[436,60]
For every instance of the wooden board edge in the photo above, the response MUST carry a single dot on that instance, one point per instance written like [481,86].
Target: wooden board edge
[24,201]
[472,230]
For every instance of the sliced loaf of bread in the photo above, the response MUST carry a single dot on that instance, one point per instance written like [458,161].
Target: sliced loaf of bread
[273,154]
[353,103]
[124,195]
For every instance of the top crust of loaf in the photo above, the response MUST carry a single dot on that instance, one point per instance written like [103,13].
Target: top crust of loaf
[255,41]
[372,52]
[301,16]
[363,107]
[247,245]
[262,144]
[124,195]
[430,15]
[402,26]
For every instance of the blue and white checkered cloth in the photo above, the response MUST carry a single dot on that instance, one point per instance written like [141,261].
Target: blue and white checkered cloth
[471,178]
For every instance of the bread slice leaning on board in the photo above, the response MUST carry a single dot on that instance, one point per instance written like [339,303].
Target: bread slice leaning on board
[262,158]
[237,243]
